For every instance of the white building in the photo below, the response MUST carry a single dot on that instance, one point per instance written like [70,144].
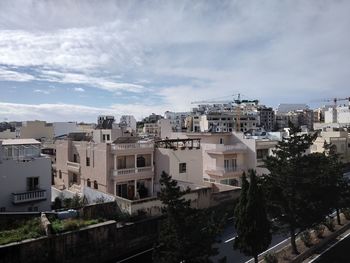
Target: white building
[25,176]
[63,128]
[177,120]
[339,115]
[128,122]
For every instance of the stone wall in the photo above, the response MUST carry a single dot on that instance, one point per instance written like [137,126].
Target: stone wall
[98,243]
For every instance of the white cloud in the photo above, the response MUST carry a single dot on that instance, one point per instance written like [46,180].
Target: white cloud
[42,91]
[79,89]
[182,51]
[70,112]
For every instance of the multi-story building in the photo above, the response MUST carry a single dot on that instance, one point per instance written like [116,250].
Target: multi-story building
[266,117]
[340,114]
[128,122]
[25,181]
[123,168]
[177,120]
[338,137]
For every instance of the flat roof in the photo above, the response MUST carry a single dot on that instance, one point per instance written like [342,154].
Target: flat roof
[19,141]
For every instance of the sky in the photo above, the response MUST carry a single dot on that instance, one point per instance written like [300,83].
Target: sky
[72,60]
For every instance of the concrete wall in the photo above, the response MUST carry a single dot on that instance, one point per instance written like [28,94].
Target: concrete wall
[13,178]
[36,130]
[7,134]
[168,160]
[61,128]
[98,243]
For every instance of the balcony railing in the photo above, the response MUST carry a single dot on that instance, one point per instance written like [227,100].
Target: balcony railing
[132,170]
[29,196]
[127,146]
[73,167]
[225,171]
[216,148]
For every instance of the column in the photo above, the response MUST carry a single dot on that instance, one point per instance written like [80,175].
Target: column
[115,162]
[135,163]
[152,162]
[152,187]
[135,189]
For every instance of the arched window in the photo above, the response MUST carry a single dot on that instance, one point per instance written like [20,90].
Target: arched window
[95,185]
[141,161]
[88,182]
[221,141]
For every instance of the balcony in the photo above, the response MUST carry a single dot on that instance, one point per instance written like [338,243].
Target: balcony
[226,149]
[30,196]
[133,173]
[130,146]
[226,171]
[73,167]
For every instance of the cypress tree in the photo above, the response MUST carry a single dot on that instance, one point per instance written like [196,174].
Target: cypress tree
[253,226]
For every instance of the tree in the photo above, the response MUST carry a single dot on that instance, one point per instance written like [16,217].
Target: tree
[339,192]
[186,234]
[252,224]
[296,183]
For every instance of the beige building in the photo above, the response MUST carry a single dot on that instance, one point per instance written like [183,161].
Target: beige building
[39,130]
[123,168]
[338,137]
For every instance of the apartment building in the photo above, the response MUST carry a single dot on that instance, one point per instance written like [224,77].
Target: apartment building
[177,120]
[340,114]
[160,129]
[266,117]
[338,137]
[123,168]
[128,122]
[25,181]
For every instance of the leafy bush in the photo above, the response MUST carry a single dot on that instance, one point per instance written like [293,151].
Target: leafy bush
[306,238]
[270,258]
[319,230]
[329,223]
[30,229]
[65,225]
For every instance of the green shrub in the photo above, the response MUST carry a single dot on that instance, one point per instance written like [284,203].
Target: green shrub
[329,223]
[70,224]
[30,229]
[306,238]
[270,258]
[319,230]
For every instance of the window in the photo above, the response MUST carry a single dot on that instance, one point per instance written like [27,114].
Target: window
[182,168]
[95,185]
[60,174]
[108,137]
[2,209]
[32,183]
[230,165]
[141,161]
[87,161]
[104,137]
[88,183]
[35,209]
[75,178]
[262,153]
[75,158]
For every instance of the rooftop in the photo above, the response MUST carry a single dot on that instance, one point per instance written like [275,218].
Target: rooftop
[19,141]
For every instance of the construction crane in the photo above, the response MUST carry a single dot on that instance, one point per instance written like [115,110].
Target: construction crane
[236,101]
[334,100]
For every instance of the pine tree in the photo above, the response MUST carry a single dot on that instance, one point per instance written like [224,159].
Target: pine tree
[186,234]
[252,225]
[296,184]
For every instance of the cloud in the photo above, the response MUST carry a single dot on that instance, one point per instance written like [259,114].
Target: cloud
[79,89]
[169,53]
[70,112]
[42,91]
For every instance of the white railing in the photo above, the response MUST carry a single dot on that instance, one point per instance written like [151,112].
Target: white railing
[222,147]
[230,169]
[29,196]
[132,170]
[127,146]
[74,165]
